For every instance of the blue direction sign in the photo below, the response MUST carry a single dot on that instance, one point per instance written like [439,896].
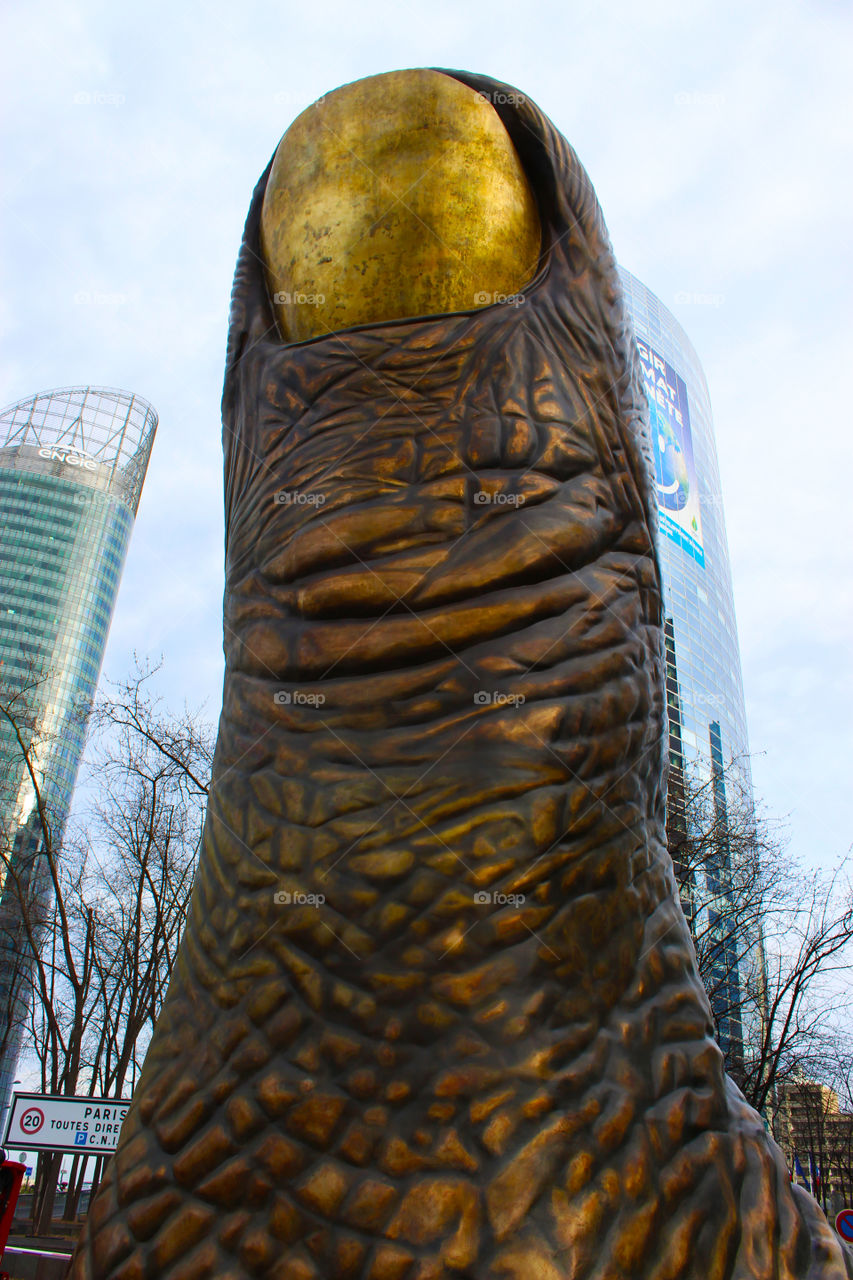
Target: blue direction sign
[844,1224]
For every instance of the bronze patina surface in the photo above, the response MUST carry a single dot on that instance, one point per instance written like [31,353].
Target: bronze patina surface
[400,195]
[436,1014]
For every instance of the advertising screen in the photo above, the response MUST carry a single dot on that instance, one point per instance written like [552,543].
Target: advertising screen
[672,448]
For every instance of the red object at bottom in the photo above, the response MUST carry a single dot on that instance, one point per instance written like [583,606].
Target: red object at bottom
[11,1177]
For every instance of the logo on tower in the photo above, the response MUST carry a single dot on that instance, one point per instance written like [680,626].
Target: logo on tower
[69,456]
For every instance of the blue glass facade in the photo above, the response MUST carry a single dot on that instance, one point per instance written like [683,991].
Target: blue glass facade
[707,720]
[72,464]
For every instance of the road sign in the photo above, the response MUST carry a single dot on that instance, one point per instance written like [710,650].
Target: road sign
[49,1122]
[844,1224]
[32,1120]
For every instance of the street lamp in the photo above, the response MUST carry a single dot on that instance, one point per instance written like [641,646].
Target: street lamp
[8,1104]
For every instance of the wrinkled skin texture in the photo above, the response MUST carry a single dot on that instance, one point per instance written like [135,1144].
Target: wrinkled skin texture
[405,1083]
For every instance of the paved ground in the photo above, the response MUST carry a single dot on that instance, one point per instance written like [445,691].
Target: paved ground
[36,1258]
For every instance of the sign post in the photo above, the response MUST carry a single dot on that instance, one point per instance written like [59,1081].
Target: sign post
[78,1126]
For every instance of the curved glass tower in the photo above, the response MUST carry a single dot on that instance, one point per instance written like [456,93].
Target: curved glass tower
[708,740]
[72,465]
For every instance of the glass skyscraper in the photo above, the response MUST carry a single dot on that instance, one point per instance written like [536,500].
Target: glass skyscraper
[708,742]
[72,465]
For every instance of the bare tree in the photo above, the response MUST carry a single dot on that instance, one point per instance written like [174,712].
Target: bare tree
[101,919]
[146,823]
[807,946]
[772,938]
[67,997]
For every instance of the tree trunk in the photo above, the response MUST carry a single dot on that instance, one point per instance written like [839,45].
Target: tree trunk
[97,1175]
[49,1166]
[72,1195]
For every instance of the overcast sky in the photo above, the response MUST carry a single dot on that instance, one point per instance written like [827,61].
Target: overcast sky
[718,137]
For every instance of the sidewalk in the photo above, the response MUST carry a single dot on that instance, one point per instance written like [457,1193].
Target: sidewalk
[38,1257]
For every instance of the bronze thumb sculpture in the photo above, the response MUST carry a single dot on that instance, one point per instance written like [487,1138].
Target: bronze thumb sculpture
[437,1012]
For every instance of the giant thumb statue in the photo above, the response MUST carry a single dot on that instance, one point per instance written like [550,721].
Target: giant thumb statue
[436,1014]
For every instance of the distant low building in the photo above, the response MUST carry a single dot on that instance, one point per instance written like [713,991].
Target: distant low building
[817,1139]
